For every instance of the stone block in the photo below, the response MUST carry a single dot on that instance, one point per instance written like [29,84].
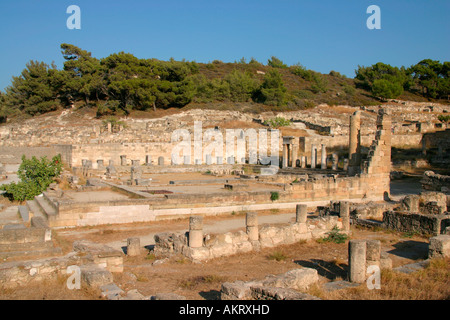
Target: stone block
[298,279]
[94,276]
[167,296]
[439,247]
[238,290]
[133,247]
[274,293]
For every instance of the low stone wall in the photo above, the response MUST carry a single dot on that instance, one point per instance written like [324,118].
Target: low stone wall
[92,258]
[274,287]
[416,222]
[435,182]
[212,246]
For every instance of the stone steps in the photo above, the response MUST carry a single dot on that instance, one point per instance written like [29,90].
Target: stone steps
[41,208]
[33,207]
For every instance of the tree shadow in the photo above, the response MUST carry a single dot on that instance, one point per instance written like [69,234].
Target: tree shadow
[327,269]
[210,295]
[410,249]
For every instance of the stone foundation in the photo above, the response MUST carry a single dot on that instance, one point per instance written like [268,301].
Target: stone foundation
[220,245]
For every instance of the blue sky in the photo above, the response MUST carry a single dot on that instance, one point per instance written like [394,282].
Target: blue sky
[322,35]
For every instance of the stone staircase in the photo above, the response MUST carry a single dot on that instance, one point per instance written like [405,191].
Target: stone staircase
[42,206]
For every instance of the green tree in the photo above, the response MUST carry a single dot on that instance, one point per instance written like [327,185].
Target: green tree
[386,89]
[85,77]
[32,92]
[432,77]
[241,86]
[272,91]
[35,177]
[397,77]
[276,63]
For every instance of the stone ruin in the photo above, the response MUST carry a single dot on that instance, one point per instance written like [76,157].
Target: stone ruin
[198,246]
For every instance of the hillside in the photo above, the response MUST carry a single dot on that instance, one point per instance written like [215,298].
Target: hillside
[123,85]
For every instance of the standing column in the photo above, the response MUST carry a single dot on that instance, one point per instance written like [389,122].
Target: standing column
[357,260]
[355,144]
[251,221]
[133,247]
[323,160]
[303,162]
[285,156]
[334,161]
[294,155]
[344,214]
[301,213]
[196,231]
[313,156]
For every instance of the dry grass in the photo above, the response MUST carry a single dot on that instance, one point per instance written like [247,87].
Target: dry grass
[431,283]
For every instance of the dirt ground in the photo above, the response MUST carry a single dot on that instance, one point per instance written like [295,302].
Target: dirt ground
[199,281]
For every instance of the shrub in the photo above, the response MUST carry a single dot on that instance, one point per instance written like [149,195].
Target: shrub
[35,175]
[276,63]
[274,196]
[278,256]
[335,236]
[277,122]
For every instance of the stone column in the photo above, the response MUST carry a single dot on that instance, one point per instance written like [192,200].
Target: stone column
[196,231]
[100,164]
[334,161]
[294,155]
[135,163]
[323,160]
[357,260]
[345,165]
[186,160]
[148,160]
[373,252]
[219,160]
[208,159]
[301,213]
[355,144]
[123,160]
[285,156]
[251,221]
[344,214]
[161,161]
[313,156]
[133,247]
[304,161]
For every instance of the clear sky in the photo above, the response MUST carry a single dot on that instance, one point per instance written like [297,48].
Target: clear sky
[322,35]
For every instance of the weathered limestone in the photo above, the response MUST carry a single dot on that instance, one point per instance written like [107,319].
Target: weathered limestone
[344,213]
[294,155]
[274,287]
[148,160]
[439,247]
[160,161]
[357,260]
[195,231]
[373,253]
[323,160]
[355,144]
[334,161]
[301,213]
[313,156]
[133,247]
[251,222]
[303,164]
